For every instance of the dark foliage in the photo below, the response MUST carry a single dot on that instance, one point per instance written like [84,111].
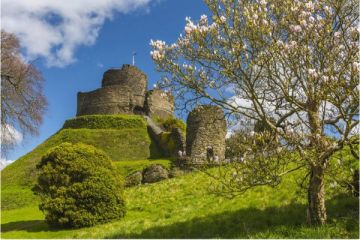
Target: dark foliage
[169,123]
[78,187]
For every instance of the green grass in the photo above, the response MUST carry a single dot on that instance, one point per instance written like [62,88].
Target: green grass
[120,144]
[181,207]
[184,208]
[120,121]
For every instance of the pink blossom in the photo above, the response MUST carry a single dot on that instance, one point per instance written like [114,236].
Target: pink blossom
[295,28]
[203,18]
[263,2]
[303,23]
[312,72]
[325,78]
[156,55]
[327,9]
[190,27]
[222,19]
[310,5]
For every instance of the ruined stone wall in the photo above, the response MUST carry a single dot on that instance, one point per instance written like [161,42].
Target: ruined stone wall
[159,103]
[205,134]
[123,91]
[129,77]
[106,100]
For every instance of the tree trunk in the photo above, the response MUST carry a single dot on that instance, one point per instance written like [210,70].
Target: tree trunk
[316,197]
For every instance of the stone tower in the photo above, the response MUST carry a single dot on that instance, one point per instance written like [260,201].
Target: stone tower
[124,91]
[205,135]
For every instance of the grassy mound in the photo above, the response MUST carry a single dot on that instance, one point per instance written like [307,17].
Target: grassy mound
[106,122]
[122,137]
[183,207]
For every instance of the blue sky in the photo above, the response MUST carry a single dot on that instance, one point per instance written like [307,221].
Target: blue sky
[112,46]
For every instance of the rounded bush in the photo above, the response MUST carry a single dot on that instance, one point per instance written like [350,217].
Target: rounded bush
[78,187]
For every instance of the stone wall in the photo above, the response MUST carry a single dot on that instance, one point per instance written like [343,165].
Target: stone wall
[123,91]
[159,103]
[131,78]
[205,135]
[106,100]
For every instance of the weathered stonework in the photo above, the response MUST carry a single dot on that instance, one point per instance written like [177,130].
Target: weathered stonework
[159,103]
[124,91]
[205,135]
[106,100]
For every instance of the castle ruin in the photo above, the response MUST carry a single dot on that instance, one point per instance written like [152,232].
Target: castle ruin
[124,91]
[205,135]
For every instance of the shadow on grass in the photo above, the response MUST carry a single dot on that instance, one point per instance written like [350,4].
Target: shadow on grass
[244,223]
[28,226]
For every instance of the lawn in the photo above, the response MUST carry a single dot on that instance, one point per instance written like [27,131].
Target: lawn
[183,207]
[122,137]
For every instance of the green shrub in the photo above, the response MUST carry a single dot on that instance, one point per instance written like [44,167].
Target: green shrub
[167,142]
[106,121]
[169,123]
[78,187]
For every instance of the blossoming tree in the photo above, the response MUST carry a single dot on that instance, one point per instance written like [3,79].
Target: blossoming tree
[291,65]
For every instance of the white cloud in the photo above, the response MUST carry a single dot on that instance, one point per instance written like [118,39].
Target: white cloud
[53,29]
[10,136]
[4,163]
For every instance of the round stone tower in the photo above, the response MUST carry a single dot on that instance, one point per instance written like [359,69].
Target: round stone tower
[123,91]
[131,78]
[205,135]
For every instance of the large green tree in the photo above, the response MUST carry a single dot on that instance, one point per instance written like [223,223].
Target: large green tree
[292,65]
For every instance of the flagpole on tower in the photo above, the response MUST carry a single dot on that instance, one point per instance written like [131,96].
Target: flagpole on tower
[133,58]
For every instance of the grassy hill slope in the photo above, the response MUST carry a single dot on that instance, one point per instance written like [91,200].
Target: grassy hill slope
[184,208]
[122,137]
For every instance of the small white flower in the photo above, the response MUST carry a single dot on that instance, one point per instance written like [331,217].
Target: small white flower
[303,23]
[328,10]
[263,2]
[280,43]
[310,6]
[356,66]
[319,18]
[295,28]
[190,27]
[222,19]
[156,55]
[325,78]
[159,45]
[203,18]
[312,72]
